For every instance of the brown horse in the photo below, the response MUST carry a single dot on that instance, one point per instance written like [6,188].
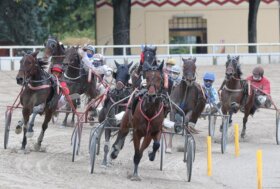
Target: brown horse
[188,95]
[54,49]
[146,120]
[235,93]
[37,90]
[76,77]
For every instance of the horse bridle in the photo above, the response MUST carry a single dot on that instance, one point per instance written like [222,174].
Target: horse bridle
[28,73]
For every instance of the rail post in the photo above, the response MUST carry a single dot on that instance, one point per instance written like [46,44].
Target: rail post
[236,140]
[259,169]
[209,156]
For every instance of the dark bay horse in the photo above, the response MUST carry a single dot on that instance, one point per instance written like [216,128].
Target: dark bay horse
[146,120]
[37,90]
[76,76]
[236,93]
[54,49]
[121,91]
[188,95]
[149,58]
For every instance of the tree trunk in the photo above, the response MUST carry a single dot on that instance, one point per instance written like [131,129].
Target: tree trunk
[121,29]
[252,24]
[94,21]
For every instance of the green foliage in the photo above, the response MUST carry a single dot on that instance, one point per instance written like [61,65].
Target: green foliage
[19,23]
[27,22]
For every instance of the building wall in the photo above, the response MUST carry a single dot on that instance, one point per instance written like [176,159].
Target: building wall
[228,22]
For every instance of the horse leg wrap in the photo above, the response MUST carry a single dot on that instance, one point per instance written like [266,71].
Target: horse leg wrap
[156,146]
[137,158]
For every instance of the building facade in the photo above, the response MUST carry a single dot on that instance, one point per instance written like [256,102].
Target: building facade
[191,22]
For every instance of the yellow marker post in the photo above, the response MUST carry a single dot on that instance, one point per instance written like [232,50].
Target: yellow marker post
[259,169]
[236,140]
[209,156]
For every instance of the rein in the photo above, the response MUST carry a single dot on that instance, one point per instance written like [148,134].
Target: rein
[147,118]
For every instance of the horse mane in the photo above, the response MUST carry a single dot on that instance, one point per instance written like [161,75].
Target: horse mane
[42,64]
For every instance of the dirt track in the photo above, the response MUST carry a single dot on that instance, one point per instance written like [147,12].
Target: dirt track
[53,167]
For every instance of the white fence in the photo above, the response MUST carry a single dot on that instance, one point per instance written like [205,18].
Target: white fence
[267,53]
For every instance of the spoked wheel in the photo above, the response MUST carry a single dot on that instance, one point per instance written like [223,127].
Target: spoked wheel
[277,128]
[93,149]
[8,118]
[161,151]
[189,154]
[224,134]
[75,143]
[212,123]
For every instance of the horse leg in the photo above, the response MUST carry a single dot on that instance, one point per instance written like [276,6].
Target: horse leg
[26,114]
[156,146]
[48,116]
[64,123]
[138,153]
[119,143]
[30,130]
[245,119]
[106,145]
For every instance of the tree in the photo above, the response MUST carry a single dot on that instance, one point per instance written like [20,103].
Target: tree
[19,23]
[121,28]
[252,24]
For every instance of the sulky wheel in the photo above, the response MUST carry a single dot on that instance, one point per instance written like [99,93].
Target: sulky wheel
[8,118]
[93,149]
[277,128]
[189,155]
[75,143]
[212,123]
[224,134]
[161,151]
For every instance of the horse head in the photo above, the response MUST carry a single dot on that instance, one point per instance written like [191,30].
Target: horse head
[233,67]
[121,75]
[150,55]
[29,66]
[53,47]
[72,58]
[189,69]
[154,79]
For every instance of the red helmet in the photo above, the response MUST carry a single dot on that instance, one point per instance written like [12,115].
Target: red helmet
[258,71]
[57,68]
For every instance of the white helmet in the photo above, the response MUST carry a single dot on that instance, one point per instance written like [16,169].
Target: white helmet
[176,69]
[90,47]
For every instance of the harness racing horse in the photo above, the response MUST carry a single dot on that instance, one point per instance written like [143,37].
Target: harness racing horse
[54,49]
[37,90]
[236,92]
[149,57]
[76,77]
[188,95]
[121,91]
[146,120]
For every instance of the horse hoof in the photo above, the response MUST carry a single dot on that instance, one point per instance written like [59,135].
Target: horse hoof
[18,129]
[134,178]
[243,135]
[113,155]
[29,134]
[151,156]
[37,147]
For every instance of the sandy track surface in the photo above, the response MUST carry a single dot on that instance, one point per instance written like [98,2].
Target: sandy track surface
[53,168]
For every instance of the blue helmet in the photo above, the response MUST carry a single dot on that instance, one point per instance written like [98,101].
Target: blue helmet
[209,76]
